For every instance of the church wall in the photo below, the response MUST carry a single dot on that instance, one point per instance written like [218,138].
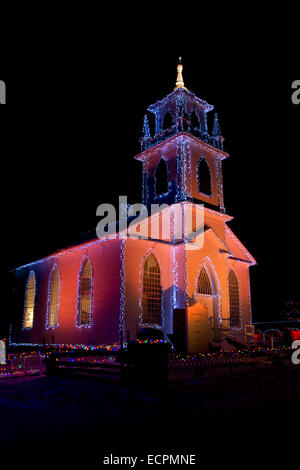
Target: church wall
[216,266]
[169,154]
[106,263]
[135,253]
[195,156]
[180,278]
[242,272]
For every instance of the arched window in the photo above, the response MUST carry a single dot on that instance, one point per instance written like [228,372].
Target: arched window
[204,177]
[29,301]
[168,120]
[194,120]
[234,300]
[53,297]
[204,286]
[84,308]
[161,177]
[151,299]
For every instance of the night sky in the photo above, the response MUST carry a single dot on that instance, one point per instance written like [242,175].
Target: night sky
[70,133]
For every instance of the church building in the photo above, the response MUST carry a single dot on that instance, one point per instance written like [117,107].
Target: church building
[193,285]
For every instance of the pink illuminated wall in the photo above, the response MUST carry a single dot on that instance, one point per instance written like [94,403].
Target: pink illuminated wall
[117,267]
[106,264]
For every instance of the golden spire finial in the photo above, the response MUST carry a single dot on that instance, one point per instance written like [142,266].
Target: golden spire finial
[179,81]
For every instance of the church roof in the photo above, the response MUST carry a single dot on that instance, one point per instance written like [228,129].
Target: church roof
[187,97]
[208,146]
[239,251]
[231,245]
[180,94]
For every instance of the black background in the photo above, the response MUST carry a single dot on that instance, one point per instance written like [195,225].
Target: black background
[78,84]
[76,102]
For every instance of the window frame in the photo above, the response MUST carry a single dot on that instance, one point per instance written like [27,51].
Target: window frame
[30,276]
[79,323]
[146,316]
[55,268]
[237,306]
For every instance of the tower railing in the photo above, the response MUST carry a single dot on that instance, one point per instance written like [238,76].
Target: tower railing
[181,125]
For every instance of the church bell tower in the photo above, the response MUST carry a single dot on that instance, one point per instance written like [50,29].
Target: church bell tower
[182,161]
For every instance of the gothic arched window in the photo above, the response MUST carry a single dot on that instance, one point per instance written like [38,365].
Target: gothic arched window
[203,285]
[53,297]
[151,298]
[204,177]
[168,120]
[29,301]
[234,300]
[161,177]
[84,308]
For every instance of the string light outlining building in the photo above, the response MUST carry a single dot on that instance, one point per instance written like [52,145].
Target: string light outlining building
[100,290]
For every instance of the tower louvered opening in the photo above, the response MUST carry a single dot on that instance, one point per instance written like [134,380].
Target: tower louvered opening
[161,177]
[204,177]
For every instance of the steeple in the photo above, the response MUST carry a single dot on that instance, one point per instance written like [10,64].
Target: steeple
[188,114]
[182,144]
[179,81]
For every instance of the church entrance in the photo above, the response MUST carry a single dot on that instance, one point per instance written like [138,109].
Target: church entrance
[198,328]
[203,315]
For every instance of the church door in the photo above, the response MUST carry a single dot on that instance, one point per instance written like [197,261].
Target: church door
[198,328]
